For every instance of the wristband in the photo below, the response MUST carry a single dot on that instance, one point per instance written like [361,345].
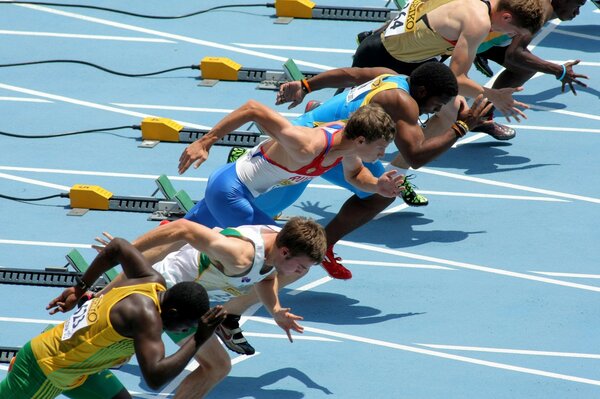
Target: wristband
[564,73]
[79,283]
[460,128]
[305,86]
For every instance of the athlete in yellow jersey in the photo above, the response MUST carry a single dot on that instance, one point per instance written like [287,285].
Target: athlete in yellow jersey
[425,30]
[72,358]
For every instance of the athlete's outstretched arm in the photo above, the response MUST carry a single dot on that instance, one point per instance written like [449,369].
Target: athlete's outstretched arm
[215,245]
[267,293]
[336,78]
[118,251]
[253,111]
[518,56]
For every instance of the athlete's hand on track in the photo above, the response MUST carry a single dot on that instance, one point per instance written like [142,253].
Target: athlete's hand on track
[477,114]
[503,100]
[290,92]
[571,77]
[390,184]
[287,321]
[195,153]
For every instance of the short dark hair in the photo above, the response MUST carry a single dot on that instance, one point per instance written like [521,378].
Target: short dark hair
[437,79]
[371,122]
[303,236]
[188,298]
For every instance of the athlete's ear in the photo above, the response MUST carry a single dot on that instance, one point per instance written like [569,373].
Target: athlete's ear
[361,139]
[421,92]
[285,252]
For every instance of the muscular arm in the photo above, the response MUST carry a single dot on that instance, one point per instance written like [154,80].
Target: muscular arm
[272,123]
[518,56]
[145,327]
[335,78]
[215,245]
[267,293]
[117,251]
[410,140]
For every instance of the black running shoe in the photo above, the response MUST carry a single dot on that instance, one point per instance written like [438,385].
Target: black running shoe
[231,334]
[496,130]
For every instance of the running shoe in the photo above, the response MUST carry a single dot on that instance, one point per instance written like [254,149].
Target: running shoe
[312,104]
[363,35]
[235,153]
[483,66]
[231,334]
[496,130]
[333,267]
[410,196]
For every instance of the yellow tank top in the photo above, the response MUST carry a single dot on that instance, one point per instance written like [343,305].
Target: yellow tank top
[408,38]
[87,342]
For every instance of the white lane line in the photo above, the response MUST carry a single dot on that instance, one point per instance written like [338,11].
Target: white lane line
[443,355]
[470,139]
[32,181]
[469,266]
[496,196]
[3,367]
[574,275]
[94,173]
[87,104]
[295,48]
[582,63]
[172,36]
[509,185]
[396,264]
[513,351]
[204,179]
[310,286]
[29,321]
[393,209]
[24,99]
[555,129]
[44,243]
[80,36]
[565,112]
[192,109]
[575,34]
[283,336]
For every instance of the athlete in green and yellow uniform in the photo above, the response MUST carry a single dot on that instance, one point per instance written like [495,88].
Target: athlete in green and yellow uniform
[72,358]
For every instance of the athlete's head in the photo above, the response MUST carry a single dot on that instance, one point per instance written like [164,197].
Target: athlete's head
[566,10]
[372,130]
[432,85]
[519,16]
[300,244]
[183,305]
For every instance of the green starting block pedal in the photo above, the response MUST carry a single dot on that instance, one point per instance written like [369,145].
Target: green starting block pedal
[184,201]
[166,187]
[292,71]
[76,260]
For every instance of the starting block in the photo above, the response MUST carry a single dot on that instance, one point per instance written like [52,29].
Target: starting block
[221,68]
[306,9]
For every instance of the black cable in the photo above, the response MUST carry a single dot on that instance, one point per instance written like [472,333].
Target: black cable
[65,195]
[135,14]
[131,75]
[23,136]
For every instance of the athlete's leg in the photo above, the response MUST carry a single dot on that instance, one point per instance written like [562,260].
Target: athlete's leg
[26,380]
[214,365]
[100,386]
[275,201]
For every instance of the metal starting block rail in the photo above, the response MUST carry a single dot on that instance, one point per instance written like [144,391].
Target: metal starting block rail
[7,353]
[220,68]
[306,9]
[175,205]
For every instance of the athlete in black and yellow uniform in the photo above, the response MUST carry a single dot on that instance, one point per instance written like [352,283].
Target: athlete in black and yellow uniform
[72,358]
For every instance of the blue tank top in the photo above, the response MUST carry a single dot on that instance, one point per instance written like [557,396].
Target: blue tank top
[342,105]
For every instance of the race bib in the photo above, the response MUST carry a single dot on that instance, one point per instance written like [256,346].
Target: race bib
[405,21]
[85,316]
[366,87]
